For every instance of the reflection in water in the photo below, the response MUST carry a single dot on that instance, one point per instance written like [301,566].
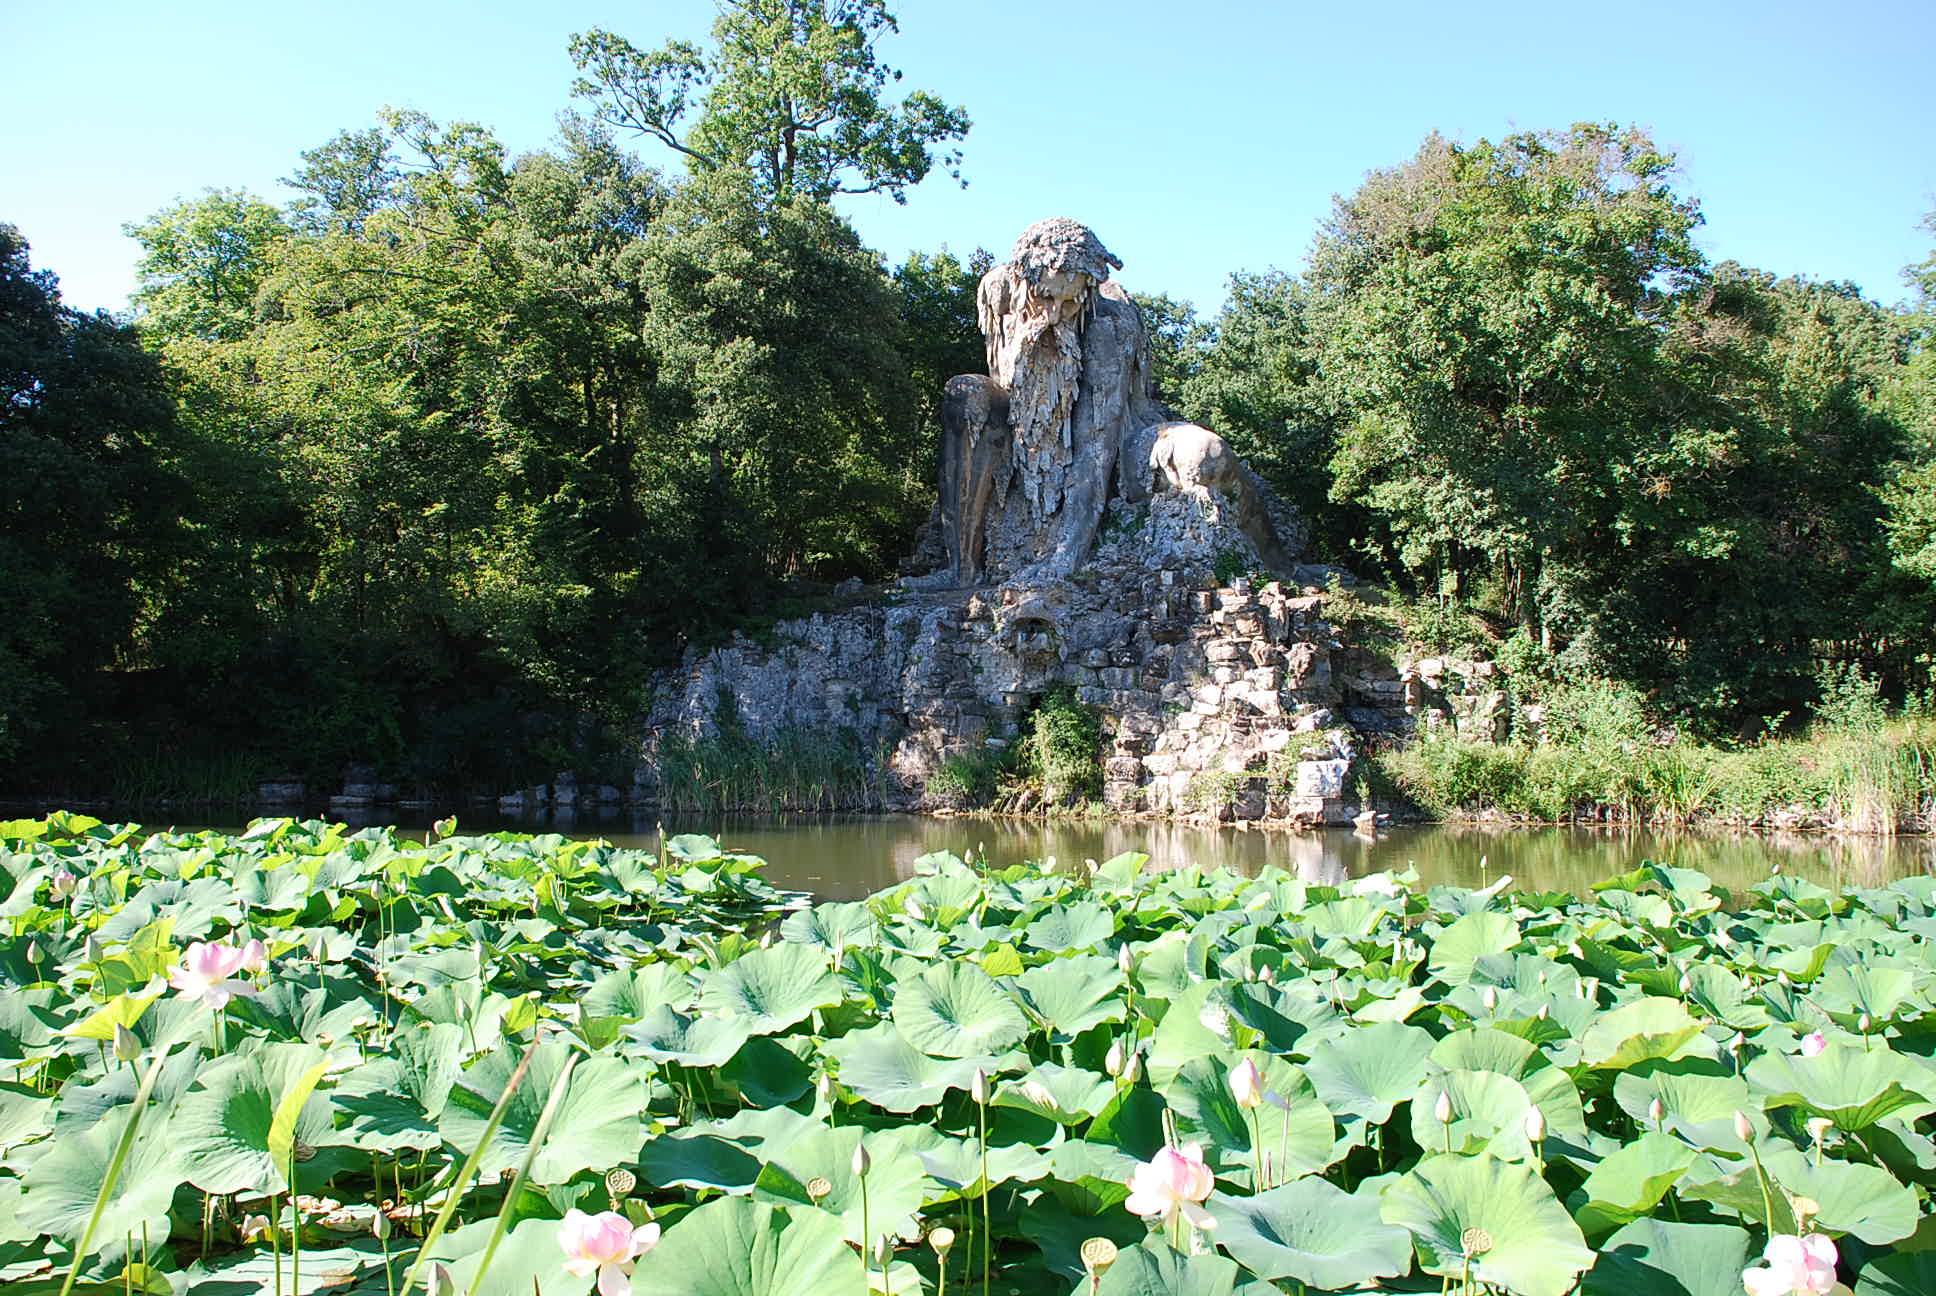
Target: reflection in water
[842,857]
[847,857]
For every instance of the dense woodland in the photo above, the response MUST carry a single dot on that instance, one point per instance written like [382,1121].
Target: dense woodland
[434,464]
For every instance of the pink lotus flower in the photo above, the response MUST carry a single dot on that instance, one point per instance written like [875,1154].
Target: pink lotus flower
[207,970]
[1175,1179]
[63,884]
[1796,1266]
[604,1244]
[1813,1044]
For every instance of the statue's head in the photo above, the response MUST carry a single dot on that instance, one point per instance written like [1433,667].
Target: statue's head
[1062,261]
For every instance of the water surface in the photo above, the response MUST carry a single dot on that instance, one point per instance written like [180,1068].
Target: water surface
[845,857]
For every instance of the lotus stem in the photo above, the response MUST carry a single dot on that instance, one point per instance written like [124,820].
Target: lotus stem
[543,1127]
[113,1175]
[462,1182]
[862,1162]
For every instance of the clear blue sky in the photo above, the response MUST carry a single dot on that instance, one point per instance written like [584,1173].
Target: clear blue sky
[1196,138]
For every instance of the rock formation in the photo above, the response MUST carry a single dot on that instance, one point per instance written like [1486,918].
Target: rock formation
[1064,423]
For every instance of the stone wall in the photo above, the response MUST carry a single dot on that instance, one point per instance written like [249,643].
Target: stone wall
[1231,701]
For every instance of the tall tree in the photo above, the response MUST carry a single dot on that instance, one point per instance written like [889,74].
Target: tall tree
[791,90]
[203,261]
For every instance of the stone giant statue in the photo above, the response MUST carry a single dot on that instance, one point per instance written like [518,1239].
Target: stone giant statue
[1064,422]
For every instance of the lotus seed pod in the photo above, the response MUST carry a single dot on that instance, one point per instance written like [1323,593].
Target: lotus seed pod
[1098,1253]
[979,1087]
[1443,1108]
[302,1151]
[1475,1241]
[862,1162]
[942,1240]
[819,1186]
[1819,1127]
[1743,1129]
[1536,1125]
[126,1046]
[1655,1111]
[1113,1062]
[620,1183]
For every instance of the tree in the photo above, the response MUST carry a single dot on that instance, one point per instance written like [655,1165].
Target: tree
[941,337]
[202,263]
[1489,316]
[83,506]
[791,90]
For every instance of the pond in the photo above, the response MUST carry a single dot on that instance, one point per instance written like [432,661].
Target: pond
[846,857]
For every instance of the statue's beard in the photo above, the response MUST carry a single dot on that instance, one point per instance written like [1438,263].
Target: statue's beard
[1035,354]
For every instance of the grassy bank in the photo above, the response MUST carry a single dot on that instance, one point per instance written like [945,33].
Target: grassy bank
[1875,777]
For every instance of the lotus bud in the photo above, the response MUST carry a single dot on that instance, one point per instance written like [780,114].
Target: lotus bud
[1655,1111]
[253,1227]
[1133,1069]
[1092,866]
[1687,984]
[1491,998]
[766,939]
[1545,1011]
[825,1089]
[1268,976]
[978,1088]
[914,910]
[1743,1128]
[1781,979]
[862,1162]
[126,1046]
[818,1187]
[884,1251]
[1098,1253]
[380,1224]
[1536,1125]
[942,1240]
[95,950]
[1864,1023]
[1443,1108]
[33,951]
[1819,1127]
[1739,1042]
[1113,1061]
[1247,1085]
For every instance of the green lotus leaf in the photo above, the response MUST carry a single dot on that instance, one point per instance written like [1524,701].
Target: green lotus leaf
[1908,1273]
[1855,1198]
[1059,1232]
[892,1074]
[1853,989]
[957,1010]
[632,993]
[394,1101]
[1154,1269]
[668,1036]
[896,1187]
[1461,944]
[1369,1071]
[59,1192]
[1489,1111]
[1663,1258]
[738,1247]
[770,989]
[1652,1027]
[1630,1183]
[694,1159]
[846,925]
[596,1125]
[1852,1085]
[1083,925]
[1312,1231]
[1697,1103]
[1064,1095]
[955,1163]
[1493,1049]
[1298,1139]
[221,1128]
[1494,1220]
[1074,994]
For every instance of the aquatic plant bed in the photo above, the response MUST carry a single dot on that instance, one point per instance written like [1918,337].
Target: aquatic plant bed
[305,1059]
